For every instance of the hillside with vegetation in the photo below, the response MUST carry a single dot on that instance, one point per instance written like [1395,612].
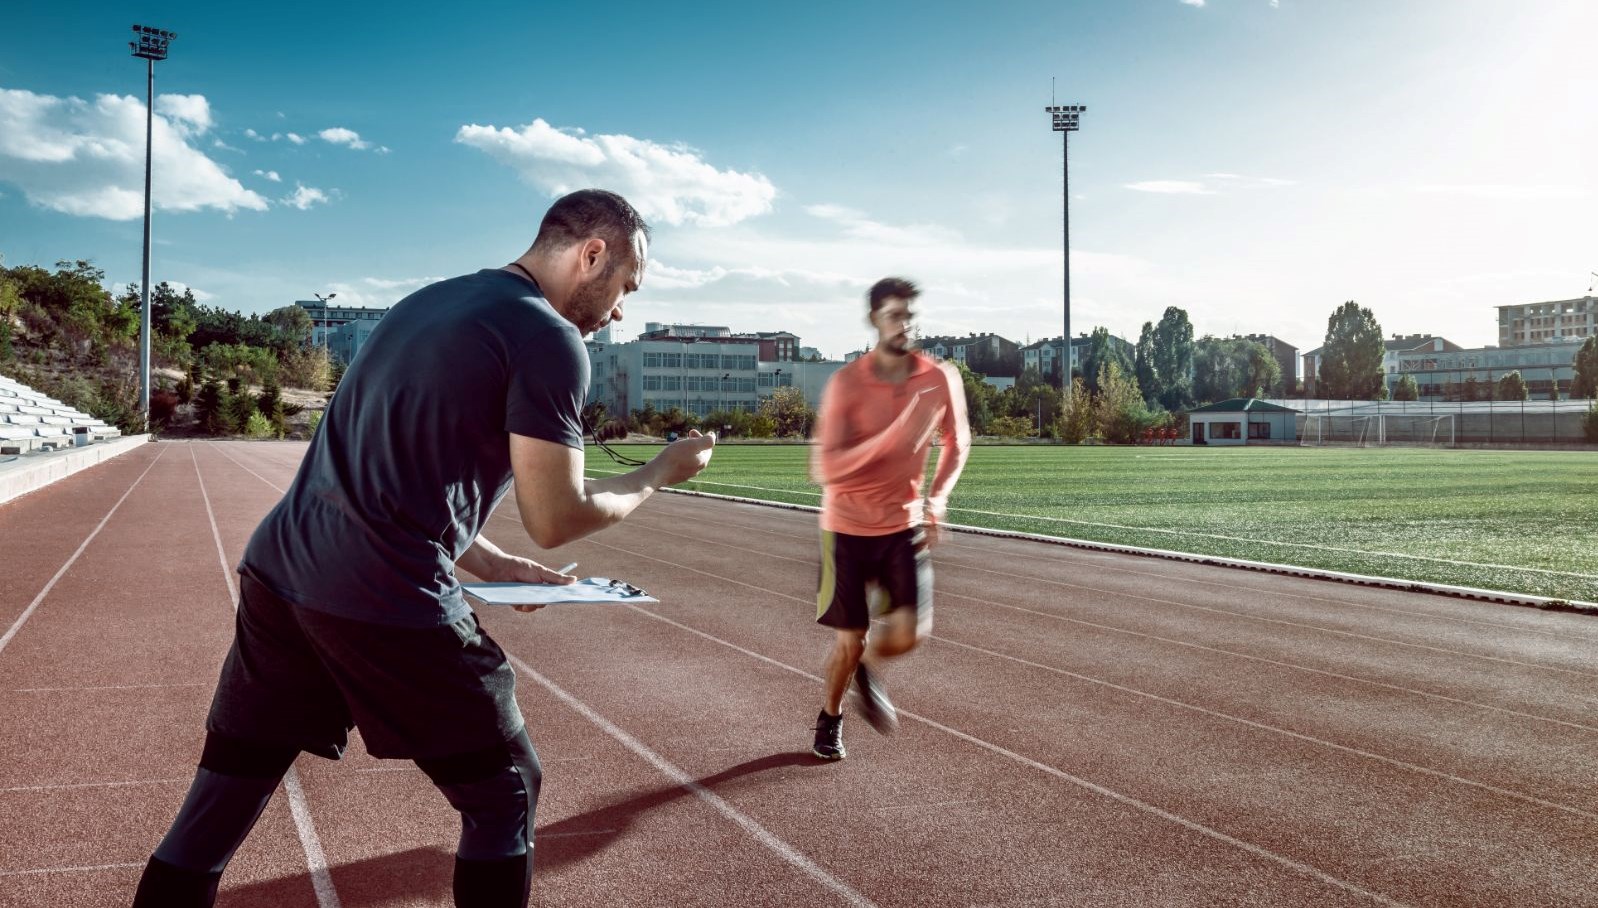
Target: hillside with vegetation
[214,371]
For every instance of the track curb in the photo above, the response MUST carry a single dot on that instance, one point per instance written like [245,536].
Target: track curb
[1522,600]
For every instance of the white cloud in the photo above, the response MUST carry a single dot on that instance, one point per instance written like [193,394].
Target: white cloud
[1172,187]
[270,175]
[292,137]
[338,135]
[190,115]
[673,184]
[1198,3]
[1276,4]
[252,134]
[377,292]
[305,197]
[855,224]
[87,158]
[218,143]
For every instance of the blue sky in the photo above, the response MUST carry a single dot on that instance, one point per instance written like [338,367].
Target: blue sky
[1256,163]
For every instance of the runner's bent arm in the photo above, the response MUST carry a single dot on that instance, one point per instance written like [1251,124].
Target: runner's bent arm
[956,431]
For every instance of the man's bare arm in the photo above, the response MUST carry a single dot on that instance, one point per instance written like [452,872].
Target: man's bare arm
[557,505]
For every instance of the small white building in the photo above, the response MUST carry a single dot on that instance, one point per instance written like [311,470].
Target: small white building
[1241,421]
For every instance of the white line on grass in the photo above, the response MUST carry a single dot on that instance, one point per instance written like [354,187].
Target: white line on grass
[782,849]
[1189,533]
[315,859]
[1061,774]
[17,625]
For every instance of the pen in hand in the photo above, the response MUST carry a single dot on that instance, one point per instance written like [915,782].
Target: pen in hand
[567,569]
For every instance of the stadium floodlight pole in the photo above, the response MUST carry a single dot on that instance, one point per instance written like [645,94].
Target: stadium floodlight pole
[1067,119]
[150,46]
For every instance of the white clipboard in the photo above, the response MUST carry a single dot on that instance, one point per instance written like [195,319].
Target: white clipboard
[589,589]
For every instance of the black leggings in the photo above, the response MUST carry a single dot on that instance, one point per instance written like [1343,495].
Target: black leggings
[495,790]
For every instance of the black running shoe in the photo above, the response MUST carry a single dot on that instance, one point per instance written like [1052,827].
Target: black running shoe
[873,701]
[829,737]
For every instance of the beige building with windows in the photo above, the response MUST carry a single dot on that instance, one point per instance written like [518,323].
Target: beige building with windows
[1550,322]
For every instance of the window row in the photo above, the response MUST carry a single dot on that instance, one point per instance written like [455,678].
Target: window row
[698,361]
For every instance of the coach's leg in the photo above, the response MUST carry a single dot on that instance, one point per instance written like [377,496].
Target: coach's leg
[496,792]
[230,790]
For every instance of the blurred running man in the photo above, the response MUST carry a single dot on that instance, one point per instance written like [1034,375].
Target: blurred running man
[878,418]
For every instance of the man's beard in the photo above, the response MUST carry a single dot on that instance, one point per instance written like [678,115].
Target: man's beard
[587,301]
[898,346]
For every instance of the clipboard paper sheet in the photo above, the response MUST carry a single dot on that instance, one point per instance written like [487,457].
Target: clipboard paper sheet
[589,589]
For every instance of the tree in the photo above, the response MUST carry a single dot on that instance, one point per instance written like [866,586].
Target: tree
[978,399]
[1261,373]
[1589,423]
[1122,415]
[788,412]
[1102,350]
[1216,371]
[1351,360]
[1143,363]
[1406,389]
[293,324]
[1471,389]
[1585,384]
[1512,387]
[1172,358]
[1076,414]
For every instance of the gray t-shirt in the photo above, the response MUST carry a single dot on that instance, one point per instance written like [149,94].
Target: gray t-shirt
[413,453]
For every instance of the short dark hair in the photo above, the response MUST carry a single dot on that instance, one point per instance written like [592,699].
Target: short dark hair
[897,287]
[589,213]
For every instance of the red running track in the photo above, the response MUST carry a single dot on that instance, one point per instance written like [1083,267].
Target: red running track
[1084,728]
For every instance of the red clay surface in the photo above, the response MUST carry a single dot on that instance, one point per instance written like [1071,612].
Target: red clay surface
[1084,729]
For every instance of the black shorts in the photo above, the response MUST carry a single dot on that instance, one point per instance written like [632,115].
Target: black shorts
[302,678]
[898,564]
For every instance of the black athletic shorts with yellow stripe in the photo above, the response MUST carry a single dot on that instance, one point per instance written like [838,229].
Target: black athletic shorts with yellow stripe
[897,564]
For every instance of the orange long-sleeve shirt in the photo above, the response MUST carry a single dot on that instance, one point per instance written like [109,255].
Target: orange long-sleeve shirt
[874,436]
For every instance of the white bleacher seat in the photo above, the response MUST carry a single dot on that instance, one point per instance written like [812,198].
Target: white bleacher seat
[22,419]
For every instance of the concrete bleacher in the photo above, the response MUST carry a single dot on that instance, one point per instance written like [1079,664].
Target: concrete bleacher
[31,421]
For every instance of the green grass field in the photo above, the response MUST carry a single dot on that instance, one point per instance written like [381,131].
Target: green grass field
[1524,522]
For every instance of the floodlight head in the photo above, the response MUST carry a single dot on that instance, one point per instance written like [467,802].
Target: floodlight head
[1066,117]
[151,42]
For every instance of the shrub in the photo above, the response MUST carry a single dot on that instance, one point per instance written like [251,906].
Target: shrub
[258,426]
[1010,427]
[1589,424]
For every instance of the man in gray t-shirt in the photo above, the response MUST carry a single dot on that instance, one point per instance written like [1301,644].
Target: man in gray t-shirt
[350,612]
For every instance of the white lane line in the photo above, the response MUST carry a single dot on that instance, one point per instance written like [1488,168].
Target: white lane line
[1308,739]
[1187,533]
[86,869]
[315,859]
[1058,556]
[17,625]
[62,785]
[782,849]
[1061,774]
[1175,642]
[1190,605]
[1391,761]
[63,690]
[246,469]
